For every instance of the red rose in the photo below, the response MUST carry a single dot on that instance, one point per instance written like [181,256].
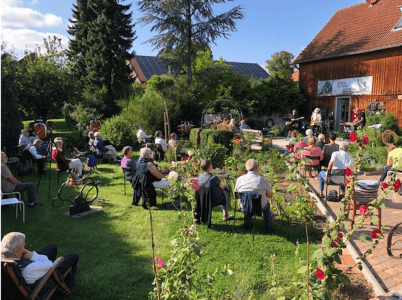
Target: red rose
[374,234]
[363,210]
[333,245]
[353,137]
[320,274]
[365,139]
[384,185]
[348,172]
[340,235]
[397,185]
[265,161]
[160,262]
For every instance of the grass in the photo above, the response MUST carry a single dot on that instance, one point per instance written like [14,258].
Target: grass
[115,244]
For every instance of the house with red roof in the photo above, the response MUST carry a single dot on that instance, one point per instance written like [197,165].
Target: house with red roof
[355,61]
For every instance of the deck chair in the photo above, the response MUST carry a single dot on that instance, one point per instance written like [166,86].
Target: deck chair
[14,286]
[14,201]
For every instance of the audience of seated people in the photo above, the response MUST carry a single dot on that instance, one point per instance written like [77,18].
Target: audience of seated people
[173,143]
[252,182]
[11,184]
[329,149]
[220,192]
[394,161]
[311,150]
[339,160]
[101,149]
[141,135]
[34,265]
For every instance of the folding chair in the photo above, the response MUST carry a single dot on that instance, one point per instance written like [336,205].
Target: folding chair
[14,286]
[16,201]
[316,166]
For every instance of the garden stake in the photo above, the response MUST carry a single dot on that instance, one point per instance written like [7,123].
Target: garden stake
[234,217]
[153,250]
[308,265]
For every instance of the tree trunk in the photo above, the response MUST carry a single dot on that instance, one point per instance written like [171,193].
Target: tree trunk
[189,44]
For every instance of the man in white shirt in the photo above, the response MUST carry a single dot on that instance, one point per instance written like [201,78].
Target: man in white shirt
[252,182]
[141,136]
[159,140]
[34,265]
[40,159]
[339,160]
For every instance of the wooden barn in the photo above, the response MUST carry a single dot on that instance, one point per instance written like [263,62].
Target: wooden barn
[355,61]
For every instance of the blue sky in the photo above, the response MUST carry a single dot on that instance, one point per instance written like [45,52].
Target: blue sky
[268,27]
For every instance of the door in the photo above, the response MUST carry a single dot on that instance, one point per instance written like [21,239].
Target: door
[342,110]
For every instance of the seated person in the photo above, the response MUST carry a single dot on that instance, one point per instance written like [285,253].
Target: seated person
[25,139]
[91,140]
[329,149]
[37,158]
[63,163]
[220,191]
[312,150]
[145,165]
[394,161]
[252,182]
[339,160]
[292,140]
[321,141]
[159,140]
[11,184]
[127,163]
[102,149]
[173,143]
[309,134]
[34,265]
[243,125]
[141,136]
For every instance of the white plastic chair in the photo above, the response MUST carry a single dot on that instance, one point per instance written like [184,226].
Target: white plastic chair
[19,203]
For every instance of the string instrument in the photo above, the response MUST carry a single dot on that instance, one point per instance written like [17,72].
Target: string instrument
[40,130]
[294,120]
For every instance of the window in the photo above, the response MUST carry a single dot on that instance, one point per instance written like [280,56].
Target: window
[399,24]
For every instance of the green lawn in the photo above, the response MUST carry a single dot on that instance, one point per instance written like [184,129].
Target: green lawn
[115,244]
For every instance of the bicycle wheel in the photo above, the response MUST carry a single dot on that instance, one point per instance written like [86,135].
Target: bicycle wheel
[394,242]
[89,192]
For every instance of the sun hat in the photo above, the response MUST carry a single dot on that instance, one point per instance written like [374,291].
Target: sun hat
[317,110]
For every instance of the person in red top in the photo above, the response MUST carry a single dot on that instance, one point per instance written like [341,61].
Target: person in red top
[312,150]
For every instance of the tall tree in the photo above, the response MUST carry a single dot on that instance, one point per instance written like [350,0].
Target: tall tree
[280,64]
[179,23]
[103,35]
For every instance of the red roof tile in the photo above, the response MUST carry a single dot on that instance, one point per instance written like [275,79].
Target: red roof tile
[355,29]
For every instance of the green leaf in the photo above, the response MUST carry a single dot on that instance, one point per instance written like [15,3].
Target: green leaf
[374,219]
[362,237]
[302,270]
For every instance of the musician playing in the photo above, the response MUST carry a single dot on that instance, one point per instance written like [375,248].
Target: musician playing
[316,119]
[360,119]
[293,123]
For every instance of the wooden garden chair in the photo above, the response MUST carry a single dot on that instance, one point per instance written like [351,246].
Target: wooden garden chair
[14,286]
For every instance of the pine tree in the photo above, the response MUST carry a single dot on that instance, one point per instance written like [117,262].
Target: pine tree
[180,23]
[103,34]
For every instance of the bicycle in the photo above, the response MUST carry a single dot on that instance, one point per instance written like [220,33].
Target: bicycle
[394,241]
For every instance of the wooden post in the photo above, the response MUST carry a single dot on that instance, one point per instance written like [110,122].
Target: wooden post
[167,136]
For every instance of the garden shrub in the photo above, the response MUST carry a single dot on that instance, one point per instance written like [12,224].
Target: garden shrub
[216,153]
[192,136]
[280,130]
[387,120]
[211,136]
[379,154]
[118,131]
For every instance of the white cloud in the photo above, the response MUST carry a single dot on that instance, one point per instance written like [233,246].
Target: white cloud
[27,39]
[23,17]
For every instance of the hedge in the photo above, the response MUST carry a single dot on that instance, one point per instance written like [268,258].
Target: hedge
[211,136]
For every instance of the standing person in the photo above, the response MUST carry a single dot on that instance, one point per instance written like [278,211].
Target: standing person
[252,182]
[11,184]
[141,135]
[37,158]
[34,265]
[220,191]
[360,119]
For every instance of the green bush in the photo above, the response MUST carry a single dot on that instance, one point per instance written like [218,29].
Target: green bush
[280,130]
[211,136]
[387,120]
[192,136]
[216,153]
[118,131]
[379,154]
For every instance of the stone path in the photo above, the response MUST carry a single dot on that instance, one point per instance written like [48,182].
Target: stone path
[386,270]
